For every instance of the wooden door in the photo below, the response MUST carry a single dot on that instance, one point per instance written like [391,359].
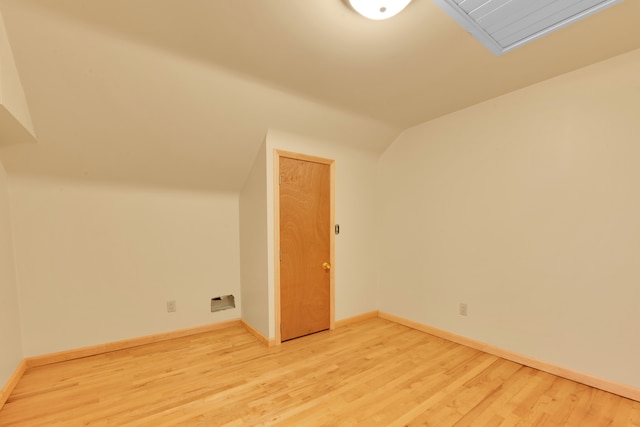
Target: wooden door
[305,247]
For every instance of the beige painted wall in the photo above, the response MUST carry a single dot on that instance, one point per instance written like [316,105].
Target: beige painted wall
[10,330]
[98,263]
[526,208]
[254,270]
[355,271]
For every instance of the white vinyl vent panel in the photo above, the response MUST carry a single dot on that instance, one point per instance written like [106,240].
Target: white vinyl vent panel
[503,25]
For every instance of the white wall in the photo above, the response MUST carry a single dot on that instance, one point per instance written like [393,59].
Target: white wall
[355,268]
[98,263]
[257,306]
[526,208]
[10,330]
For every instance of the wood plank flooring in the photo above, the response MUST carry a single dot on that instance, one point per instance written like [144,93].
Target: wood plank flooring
[372,373]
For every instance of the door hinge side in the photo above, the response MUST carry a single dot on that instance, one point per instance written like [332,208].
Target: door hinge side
[281,255]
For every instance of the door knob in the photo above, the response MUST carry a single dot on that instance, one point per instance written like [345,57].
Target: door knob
[326,266]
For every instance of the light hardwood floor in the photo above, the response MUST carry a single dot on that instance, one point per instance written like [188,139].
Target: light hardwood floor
[372,373]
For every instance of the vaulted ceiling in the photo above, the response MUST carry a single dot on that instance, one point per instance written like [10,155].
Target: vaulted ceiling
[180,93]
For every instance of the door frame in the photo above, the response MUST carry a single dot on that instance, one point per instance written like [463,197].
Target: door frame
[276,238]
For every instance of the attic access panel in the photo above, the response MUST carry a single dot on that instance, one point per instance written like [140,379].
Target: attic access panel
[503,25]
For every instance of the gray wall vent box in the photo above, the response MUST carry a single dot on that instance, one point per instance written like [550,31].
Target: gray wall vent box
[223,303]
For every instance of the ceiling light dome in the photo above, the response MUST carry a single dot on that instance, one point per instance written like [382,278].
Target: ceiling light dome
[379,9]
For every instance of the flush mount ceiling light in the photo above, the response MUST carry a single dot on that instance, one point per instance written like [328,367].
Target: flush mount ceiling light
[503,25]
[378,9]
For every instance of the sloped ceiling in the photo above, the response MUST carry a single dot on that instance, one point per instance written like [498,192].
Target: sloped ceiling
[181,92]
[15,120]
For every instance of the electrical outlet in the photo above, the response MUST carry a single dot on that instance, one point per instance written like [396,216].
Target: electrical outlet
[171,306]
[464,309]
